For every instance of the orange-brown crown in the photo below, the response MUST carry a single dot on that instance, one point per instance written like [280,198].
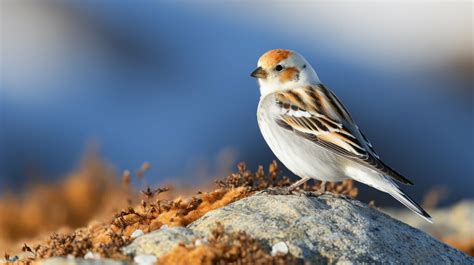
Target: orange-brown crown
[273,57]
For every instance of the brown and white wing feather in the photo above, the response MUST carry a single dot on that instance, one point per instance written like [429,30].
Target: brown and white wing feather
[316,114]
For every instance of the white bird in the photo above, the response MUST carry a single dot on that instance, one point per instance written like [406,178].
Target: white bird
[312,133]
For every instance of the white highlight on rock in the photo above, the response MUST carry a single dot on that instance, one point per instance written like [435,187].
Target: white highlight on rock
[200,242]
[145,259]
[279,248]
[92,255]
[137,233]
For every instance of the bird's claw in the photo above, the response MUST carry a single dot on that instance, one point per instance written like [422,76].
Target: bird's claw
[279,191]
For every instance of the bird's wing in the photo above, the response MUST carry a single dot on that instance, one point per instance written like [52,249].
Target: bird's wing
[316,114]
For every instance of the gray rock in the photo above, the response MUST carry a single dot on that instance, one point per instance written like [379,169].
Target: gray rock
[80,261]
[328,229]
[159,242]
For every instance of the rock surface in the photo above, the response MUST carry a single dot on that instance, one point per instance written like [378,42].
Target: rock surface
[159,242]
[324,229]
[328,229]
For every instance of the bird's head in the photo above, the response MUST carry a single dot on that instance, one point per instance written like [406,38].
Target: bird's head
[283,69]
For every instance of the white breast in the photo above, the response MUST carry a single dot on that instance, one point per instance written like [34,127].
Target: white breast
[301,156]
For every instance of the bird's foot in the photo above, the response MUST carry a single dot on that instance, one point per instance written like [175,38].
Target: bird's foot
[321,190]
[317,193]
[288,191]
[279,191]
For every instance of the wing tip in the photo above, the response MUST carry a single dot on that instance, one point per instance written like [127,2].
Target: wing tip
[404,180]
[407,181]
[396,176]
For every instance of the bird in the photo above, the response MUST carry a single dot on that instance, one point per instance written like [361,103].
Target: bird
[313,134]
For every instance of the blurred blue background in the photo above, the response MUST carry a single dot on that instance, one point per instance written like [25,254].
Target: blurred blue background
[169,83]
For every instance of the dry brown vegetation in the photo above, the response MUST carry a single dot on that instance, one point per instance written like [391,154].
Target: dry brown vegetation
[151,212]
[90,192]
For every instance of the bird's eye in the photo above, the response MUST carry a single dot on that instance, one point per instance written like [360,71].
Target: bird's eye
[278,68]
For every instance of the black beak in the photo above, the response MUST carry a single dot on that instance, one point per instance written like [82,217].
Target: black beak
[259,73]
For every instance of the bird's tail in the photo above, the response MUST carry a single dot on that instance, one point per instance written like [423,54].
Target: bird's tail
[408,202]
[385,184]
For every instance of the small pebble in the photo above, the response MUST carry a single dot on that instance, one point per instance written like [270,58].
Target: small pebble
[145,259]
[137,233]
[200,242]
[164,227]
[279,248]
[92,255]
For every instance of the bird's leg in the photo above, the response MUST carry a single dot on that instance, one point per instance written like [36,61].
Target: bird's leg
[297,184]
[287,190]
[322,188]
